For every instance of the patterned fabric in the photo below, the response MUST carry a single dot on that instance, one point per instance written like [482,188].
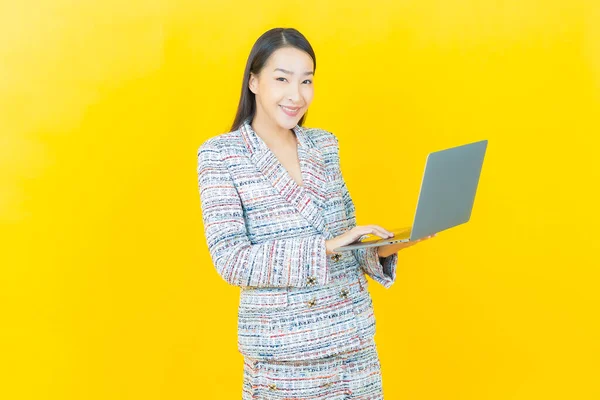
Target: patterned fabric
[352,375]
[266,234]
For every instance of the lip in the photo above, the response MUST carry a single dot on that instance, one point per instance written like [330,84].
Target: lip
[291,114]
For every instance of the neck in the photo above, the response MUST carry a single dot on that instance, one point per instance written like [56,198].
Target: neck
[271,133]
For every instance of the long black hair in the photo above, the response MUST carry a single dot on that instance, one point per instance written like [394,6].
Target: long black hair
[264,46]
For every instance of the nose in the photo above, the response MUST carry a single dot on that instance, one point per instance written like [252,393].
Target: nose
[294,93]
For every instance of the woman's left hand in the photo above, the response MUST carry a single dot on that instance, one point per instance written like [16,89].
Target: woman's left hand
[389,249]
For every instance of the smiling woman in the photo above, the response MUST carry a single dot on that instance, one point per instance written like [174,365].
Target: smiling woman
[279,73]
[274,205]
[281,93]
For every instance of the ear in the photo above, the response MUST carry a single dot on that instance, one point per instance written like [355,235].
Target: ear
[252,83]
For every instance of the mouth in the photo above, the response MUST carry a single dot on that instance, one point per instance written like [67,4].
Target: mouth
[291,111]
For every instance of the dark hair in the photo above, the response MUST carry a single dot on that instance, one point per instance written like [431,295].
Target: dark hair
[266,44]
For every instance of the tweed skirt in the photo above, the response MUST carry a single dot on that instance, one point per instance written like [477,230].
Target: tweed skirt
[353,375]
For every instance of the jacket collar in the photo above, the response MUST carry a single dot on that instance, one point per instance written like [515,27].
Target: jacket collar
[308,199]
[254,142]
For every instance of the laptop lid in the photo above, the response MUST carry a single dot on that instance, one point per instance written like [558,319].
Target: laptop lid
[448,188]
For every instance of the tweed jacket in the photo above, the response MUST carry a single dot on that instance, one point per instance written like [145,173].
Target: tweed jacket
[266,234]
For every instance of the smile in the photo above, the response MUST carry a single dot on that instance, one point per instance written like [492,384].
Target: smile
[290,111]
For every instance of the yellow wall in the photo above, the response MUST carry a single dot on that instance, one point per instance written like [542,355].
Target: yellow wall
[107,290]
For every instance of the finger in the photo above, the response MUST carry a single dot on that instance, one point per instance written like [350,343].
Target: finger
[377,231]
[386,230]
[381,231]
[425,238]
[370,229]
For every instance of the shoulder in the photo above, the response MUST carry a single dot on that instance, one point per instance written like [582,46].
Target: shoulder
[325,140]
[320,135]
[227,140]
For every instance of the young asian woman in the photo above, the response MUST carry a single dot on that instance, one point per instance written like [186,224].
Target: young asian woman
[274,205]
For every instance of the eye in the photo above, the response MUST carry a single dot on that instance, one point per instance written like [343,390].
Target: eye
[281,77]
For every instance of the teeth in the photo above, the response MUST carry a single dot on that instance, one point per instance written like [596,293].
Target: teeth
[289,109]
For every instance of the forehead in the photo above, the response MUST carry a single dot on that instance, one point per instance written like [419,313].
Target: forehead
[291,59]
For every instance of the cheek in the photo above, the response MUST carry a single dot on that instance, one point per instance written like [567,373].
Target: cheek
[265,93]
[273,92]
[308,93]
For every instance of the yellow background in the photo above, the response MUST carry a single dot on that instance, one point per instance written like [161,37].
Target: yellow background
[107,290]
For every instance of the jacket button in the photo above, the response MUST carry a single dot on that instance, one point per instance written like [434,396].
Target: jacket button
[336,257]
[311,280]
[344,293]
[272,386]
[312,302]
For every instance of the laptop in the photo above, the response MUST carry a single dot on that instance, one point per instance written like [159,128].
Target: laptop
[446,196]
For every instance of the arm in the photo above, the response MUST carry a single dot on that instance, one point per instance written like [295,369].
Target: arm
[381,269]
[297,261]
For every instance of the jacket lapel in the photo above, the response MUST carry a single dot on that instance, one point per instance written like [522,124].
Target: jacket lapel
[309,198]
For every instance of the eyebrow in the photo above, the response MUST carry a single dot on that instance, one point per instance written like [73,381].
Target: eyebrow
[285,71]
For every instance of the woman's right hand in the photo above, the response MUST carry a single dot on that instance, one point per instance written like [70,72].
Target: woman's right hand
[354,234]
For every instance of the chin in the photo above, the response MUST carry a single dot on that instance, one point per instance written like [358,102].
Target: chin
[289,122]
[286,123]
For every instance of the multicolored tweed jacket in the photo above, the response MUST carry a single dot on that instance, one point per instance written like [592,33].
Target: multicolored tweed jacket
[266,234]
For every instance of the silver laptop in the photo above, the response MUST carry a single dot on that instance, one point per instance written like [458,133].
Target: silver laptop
[446,196]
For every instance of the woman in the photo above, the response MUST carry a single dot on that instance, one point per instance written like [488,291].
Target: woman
[274,205]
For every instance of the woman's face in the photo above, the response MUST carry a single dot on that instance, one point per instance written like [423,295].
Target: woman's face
[284,87]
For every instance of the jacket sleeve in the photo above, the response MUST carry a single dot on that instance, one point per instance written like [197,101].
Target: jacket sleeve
[381,269]
[296,261]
